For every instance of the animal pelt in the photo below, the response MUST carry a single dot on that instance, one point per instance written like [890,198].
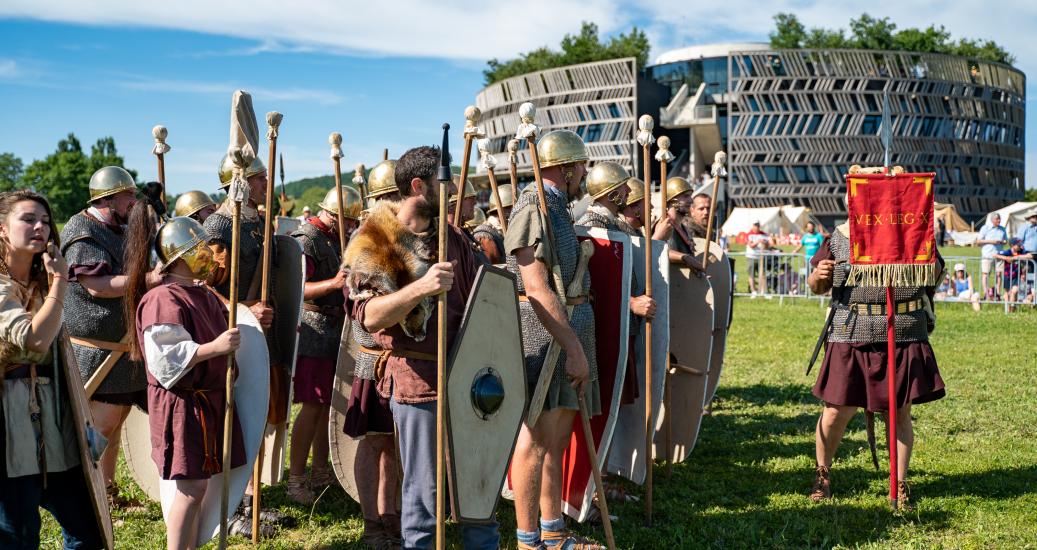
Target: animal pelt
[384,256]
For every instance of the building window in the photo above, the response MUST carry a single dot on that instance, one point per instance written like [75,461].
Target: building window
[871,124]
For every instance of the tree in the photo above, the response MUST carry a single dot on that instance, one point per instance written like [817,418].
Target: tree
[872,34]
[869,33]
[64,175]
[11,170]
[788,33]
[1031,195]
[584,47]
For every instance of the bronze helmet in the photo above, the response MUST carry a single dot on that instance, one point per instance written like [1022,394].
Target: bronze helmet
[478,218]
[191,202]
[382,179]
[469,189]
[507,196]
[561,147]
[227,169]
[637,191]
[676,187]
[109,181]
[350,201]
[183,238]
[604,178]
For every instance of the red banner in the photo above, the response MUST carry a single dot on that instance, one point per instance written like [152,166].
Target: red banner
[891,229]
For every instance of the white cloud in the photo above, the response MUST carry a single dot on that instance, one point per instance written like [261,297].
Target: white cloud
[322,97]
[8,68]
[449,28]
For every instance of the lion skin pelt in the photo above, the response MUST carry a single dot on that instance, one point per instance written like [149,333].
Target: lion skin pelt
[383,256]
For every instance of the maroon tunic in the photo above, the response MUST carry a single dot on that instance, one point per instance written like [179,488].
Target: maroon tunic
[854,375]
[187,420]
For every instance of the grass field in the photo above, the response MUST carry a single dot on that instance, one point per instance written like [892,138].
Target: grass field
[974,471]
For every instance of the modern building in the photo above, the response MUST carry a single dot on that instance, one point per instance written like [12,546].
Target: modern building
[792,121]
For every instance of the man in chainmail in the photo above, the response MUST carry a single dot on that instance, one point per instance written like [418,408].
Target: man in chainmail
[93,243]
[219,228]
[536,468]
[672,228]
[319,335]
[696,220]
[855,342]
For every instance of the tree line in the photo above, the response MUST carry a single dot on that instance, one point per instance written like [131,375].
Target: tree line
[870,33]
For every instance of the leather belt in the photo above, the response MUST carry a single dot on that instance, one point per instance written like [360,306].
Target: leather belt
[14,372]
[569,301]
[329,311]
[384,355]
[100,344]
[880,309]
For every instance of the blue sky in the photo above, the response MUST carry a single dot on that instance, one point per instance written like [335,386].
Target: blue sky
[384,74]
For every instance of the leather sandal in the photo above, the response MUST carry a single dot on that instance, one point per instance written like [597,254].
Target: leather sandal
[822,484]
[566,540]
[904,503]
[298,490]
[322,477]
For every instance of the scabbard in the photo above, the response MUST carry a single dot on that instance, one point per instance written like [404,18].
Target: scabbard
[821,339]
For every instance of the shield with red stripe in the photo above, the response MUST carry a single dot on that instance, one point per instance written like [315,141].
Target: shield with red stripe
[610,270]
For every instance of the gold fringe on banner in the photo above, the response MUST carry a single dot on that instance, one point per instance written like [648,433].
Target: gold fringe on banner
[893,275]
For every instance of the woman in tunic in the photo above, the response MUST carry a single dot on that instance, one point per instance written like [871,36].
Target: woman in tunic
[39,451]
[182,335]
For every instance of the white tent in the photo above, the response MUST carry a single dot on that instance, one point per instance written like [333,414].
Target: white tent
[775,220]
[1013,216]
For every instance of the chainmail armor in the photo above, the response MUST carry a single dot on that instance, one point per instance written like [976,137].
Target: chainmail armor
[219,227]
[535,338]
[365,362]
[319,333]
[86,241]
[851,327]
[486,230]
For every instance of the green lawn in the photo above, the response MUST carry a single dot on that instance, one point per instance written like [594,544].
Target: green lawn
[974,473]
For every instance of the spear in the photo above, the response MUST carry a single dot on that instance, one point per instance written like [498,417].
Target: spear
[718,171]
[360,182]
[444,178]
[644,137]
[472,115]
[242,151]
[238,193]
[335,139]
[886,137]
[513,145]
[161,148]
[385,153]
[283,197]
[664,156]
[273,121]
[529,130]
[489,163]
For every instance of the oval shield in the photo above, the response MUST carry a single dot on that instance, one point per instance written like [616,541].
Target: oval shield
[691,344]
[719,273]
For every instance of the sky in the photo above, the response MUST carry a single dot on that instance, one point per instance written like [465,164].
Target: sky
[385,74]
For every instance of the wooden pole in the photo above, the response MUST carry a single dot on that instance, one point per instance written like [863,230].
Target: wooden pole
[161,148]
[490,163]
[238,191]
[444,192]
[472,115]
[718,172]
[496,197]
[513,165]
[645,138]
[360,179]
[335,139]
[599,486]
[284,197]
[385,153]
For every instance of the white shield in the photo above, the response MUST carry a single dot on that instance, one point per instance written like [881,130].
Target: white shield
[628,455]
